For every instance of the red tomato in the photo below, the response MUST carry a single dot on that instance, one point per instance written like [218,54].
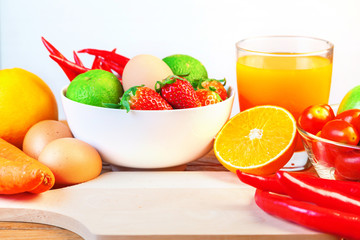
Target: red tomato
[352,116]
[340,131]
[315,117]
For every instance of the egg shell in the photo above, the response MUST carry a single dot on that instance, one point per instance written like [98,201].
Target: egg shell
[42,133]
[144,69]
[71,160]
[65,122]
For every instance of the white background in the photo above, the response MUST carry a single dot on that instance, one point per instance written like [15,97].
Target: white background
[207,30]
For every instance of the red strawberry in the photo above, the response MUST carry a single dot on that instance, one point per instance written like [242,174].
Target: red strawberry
[216,85]
[143,98]
[208,97]
[178,92]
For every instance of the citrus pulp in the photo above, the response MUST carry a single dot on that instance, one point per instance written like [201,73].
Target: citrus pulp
[259,140]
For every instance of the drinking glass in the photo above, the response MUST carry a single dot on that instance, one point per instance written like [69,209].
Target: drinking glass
[292,72]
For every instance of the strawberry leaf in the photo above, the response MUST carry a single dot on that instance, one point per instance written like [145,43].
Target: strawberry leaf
[158,86]
[218,97]
[169,80]
[223,81]
[125,100]
[212,88]
[197,83]
[112,105]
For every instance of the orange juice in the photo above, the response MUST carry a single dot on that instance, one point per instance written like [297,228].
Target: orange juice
[292,82]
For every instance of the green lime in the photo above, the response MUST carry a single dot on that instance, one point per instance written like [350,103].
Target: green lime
[187,66]
[95,87]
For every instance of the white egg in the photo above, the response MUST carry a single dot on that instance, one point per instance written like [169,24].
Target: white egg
[144,69]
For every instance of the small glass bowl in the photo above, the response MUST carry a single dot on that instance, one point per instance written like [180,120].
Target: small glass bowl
[331,160]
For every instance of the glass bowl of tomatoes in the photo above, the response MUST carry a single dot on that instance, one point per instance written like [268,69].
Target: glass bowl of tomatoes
[332,141]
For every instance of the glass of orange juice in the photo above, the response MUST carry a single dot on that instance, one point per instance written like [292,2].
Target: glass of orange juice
[288,71]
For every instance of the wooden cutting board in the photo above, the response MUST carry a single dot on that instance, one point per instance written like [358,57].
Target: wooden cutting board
[155,205]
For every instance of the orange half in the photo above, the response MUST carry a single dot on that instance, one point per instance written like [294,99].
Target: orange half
[260,140]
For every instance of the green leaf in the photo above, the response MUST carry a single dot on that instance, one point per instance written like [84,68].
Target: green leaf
[218,97]
[170,79]
[158,86]
[124,102]
[212,88]
[196,83]
[112,105]
[223,81]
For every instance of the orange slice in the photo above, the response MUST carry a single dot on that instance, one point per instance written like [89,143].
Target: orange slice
[260,140]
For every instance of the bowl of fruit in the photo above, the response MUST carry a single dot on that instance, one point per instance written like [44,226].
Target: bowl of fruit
[331,136]
[159,114]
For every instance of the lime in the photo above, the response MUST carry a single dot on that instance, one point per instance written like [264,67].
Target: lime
[186,66]
[95,88]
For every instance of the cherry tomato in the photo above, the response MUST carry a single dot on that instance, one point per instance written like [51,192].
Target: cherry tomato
[340,131]
[315,117]
[352,116]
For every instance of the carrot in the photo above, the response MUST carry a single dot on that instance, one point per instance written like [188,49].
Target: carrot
[18,177]
[31,167]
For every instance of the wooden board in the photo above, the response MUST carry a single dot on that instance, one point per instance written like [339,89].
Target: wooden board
[155,205]
[34,231]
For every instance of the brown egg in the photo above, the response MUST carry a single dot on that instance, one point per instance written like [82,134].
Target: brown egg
[64,122]
[42,133]
[71,160]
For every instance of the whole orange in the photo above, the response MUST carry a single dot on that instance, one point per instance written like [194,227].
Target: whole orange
[25,99]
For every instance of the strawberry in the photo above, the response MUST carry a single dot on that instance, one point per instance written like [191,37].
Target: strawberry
[143,98]
[178,92]
[216,85]
[208,97]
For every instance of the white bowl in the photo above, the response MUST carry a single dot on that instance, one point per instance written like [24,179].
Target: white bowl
[147,139]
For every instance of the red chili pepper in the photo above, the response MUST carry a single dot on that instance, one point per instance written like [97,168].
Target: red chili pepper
[270,183]
[118,69]
[345,187]
[52,49]
[266,183]
[71,69]
[77,60]
[105,66]
[100,63]
[300,190]
[108,55]
[96,64]
[309,215]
